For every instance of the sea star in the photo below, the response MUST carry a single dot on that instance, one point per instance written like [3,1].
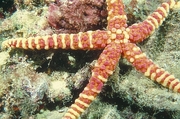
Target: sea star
[118,39]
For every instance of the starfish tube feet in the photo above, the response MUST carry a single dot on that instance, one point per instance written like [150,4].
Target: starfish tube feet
[116,15]
[139,32]
[149,69]
[102,69]
[87,40]
[116,40]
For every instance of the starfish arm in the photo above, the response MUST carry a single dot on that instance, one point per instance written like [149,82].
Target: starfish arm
[139,32]
[116,15]
[139,60]
[104,67]
[83,40]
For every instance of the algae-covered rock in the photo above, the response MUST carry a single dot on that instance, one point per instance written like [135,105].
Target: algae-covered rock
[3,58]
[43,89]
[49,115]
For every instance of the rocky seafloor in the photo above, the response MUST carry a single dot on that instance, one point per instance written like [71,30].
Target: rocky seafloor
[43,84]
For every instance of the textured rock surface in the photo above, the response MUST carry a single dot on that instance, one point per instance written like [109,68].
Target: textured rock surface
[127,94]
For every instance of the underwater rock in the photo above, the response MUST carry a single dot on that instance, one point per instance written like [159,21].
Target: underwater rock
[86,15]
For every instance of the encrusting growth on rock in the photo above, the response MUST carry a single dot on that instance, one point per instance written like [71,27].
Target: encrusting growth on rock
[118,39]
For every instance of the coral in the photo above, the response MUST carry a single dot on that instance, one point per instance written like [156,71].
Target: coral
[86,15]
[4,57]
[58,89]
[22,23]
[101,110]
[149,98]
[110,112]
[26,91]
[31,4]
[34,85]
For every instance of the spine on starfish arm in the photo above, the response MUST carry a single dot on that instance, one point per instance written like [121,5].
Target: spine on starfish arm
[87,40]
[139,32]
[102,69]
[148,68]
